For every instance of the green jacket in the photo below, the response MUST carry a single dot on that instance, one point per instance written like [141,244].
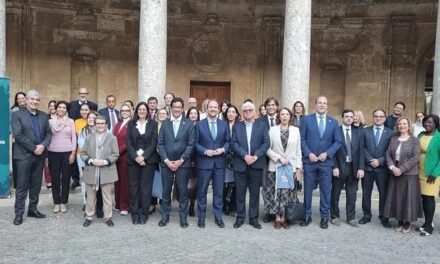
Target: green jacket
[432,160]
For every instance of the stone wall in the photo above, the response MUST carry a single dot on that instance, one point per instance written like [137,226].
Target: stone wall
[365,54]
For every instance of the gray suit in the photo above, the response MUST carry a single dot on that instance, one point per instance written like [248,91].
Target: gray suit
[29,166]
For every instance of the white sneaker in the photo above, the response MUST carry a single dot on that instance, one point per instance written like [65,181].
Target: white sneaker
[63,208]
[124,213]
[56,208]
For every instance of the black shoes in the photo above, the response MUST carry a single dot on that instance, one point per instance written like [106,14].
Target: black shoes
[364,220]
[18,220]
[74,185]
[268,218]
[386,223]
[324,223]
[135,219]
[109,223]
[201,223]
[87,223]
[220,223]
[36,214]
[184,223]
[163,222]
[306,221]
[238,223]
[255,224]
[143,221]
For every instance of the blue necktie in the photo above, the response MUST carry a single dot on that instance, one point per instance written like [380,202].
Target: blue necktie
[321,125]
[213,130]
[175,127]
[377,135]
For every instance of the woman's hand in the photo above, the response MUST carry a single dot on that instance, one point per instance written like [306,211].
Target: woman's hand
[72,158]
[299,174]
[284,161]
[431,179]
[140,160]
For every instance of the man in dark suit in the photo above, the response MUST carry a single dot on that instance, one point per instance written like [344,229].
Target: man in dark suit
[168,97]
[377,139]
[348,169]
[390,122]
[320,140]
[176,143]
[74,106]
[30,128]
[211,145]
[152,107]
[110,113]
[271,104]
[250,141]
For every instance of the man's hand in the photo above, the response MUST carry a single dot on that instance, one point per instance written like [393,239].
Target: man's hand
[322,157]
[336,172]
[39,150]
[219,151]
[374,163]
[249,159]
[360,174]
[313,158]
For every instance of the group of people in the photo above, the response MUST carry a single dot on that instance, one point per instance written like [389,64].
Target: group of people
[276,148]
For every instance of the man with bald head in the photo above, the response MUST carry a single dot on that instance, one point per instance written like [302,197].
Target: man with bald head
[75,105]
[320,140]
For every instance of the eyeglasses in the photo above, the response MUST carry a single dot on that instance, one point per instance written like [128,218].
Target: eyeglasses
[248,110]
[125,111]
[83,93]
[420,116]
[100,124]
[378,116]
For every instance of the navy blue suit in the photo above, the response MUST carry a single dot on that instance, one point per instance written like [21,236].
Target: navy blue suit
[379,174]
[75,107]
[106,113]
[312,142]
[211,167]
[174,148]
[249,176]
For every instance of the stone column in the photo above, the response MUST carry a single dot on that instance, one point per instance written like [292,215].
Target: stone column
[436,85]
[2,38]
[152,49]
[296,52]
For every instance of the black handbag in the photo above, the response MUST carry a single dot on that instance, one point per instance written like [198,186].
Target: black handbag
[295,211]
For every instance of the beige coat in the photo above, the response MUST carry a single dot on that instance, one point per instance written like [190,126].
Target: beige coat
[108,174]
[293,150]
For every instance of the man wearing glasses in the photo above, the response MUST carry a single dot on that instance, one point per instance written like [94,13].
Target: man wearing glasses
[377,138]
[75,105]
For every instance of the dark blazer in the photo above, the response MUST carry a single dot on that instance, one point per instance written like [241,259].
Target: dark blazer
[74,108]
[260,143]
[179,147]
[373,152]
[357,152]
[204,141]
[409,155]
[266,121]
[150,136]
[311,141]
[106,112]
[23,132]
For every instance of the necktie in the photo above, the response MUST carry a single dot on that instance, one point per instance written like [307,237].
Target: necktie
[152,115]
[271,122]
[112,119]
[377,135]
[348,144]
[213,130]
[321,125]
[175,127]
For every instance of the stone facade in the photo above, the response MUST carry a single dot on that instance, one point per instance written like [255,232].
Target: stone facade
[365,54]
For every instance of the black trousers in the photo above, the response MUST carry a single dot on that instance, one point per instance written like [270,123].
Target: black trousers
[14,169]
[60,171]
[351,185]
[381,179]
[428,203]
[250,179]
[140,180]
[29,177]
[181,176]
[74,171]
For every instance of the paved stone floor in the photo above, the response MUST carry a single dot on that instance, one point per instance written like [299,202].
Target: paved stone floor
[60,238]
